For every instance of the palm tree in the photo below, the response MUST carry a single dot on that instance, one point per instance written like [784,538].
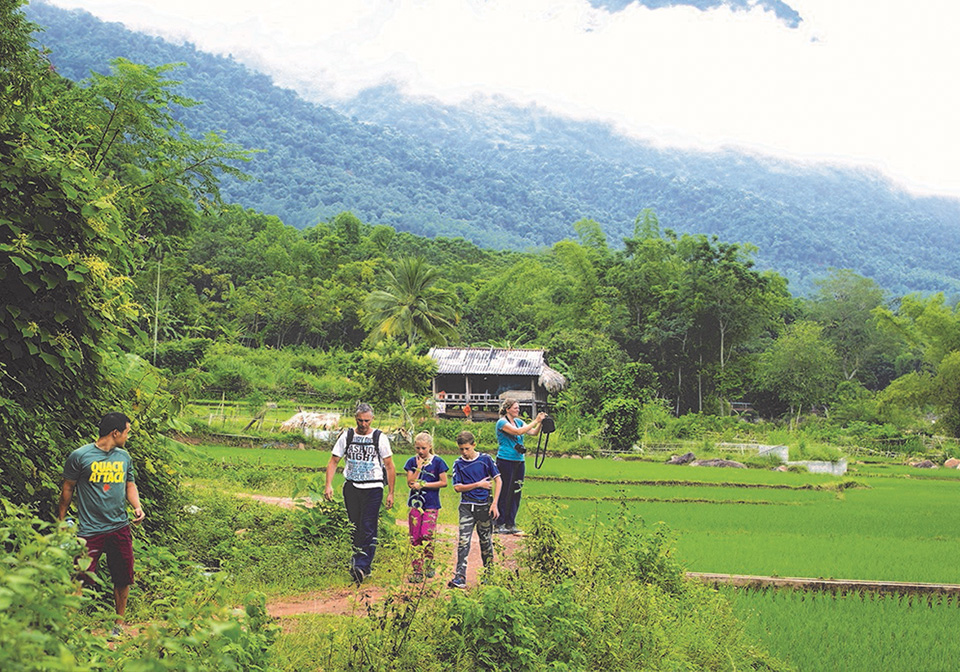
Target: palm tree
[410,307]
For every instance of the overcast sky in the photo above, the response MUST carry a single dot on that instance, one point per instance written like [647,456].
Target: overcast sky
[869,82]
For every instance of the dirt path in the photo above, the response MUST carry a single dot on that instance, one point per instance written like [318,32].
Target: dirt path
[356,600]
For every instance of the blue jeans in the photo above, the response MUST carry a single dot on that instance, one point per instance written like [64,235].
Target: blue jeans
[512,473]
[363,510]
[474,516]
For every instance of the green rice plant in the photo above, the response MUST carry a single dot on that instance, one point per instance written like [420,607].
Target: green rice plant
[853,631]
[755,461]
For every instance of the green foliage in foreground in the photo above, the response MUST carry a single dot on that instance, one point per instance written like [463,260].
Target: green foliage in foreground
[255,545]
[852,632]
[611,599]
[39,600]
[46,623]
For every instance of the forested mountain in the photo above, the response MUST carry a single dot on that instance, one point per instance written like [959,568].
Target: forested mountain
[508,177]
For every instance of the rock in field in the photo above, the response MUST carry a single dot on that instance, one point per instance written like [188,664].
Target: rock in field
[717,463]
[686,458]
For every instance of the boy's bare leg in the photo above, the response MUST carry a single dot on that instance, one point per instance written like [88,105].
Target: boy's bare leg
[120,595]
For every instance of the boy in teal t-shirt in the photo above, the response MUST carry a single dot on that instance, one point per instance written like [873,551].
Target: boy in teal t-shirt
[101,476]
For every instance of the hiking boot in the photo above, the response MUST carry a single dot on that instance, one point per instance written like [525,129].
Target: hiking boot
[357,575]
[457,582]
[500,529]
[515,531]
[416,577]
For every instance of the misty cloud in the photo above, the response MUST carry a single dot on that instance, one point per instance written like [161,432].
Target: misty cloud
[852,82]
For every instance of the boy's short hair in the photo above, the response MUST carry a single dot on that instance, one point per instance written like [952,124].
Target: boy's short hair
[113,421]
[465,437]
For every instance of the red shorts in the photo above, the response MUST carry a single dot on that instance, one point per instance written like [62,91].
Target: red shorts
[118,546]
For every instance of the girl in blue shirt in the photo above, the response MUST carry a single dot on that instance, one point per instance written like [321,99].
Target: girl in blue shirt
[426,474]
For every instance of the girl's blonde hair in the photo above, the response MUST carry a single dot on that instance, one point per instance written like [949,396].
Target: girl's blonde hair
[424,437]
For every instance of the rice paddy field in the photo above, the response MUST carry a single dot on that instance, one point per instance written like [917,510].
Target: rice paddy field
[882,522]
[865,631]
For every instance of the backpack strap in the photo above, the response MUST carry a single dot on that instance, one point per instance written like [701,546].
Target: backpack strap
[376,447]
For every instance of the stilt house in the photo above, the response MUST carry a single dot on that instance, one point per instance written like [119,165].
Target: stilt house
[471,382]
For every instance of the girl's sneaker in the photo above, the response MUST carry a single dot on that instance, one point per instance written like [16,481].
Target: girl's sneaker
[457,582]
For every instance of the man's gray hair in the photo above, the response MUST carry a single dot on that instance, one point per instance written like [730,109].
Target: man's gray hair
[363,408]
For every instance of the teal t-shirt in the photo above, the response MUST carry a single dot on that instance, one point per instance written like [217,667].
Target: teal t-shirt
[101,492]
[507,443]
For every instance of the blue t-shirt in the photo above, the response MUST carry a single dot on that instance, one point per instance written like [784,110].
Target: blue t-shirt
[101,491]
[470,471]
[507,443]
[428,498]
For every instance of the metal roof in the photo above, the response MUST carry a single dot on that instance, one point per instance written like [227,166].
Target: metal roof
[496,361]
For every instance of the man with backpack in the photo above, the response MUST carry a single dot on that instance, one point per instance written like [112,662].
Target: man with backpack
[369,466]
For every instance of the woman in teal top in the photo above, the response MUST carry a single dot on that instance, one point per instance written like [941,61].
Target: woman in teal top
[510,461]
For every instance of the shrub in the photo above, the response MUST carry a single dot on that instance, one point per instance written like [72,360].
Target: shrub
[494,631]
[621,419]
[612,598]
[30,453]
[585,445]
[200,634]
[320,520]
[39,600]
[178,356]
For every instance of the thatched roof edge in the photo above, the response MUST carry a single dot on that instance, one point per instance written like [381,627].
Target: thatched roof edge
[552,380]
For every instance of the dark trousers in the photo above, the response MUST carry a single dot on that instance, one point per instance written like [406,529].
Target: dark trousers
[512,473]
[363,510]
[474,516]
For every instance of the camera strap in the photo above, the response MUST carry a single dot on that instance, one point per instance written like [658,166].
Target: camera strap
[547,427]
